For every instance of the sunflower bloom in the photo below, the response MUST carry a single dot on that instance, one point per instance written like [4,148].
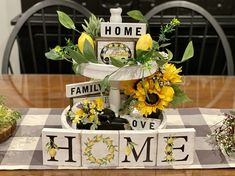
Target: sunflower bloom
[151,97]
[171,73]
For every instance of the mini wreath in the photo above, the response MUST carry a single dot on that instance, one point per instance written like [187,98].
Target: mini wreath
[96,139]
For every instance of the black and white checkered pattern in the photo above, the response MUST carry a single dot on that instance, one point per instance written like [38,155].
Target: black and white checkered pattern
[23,149]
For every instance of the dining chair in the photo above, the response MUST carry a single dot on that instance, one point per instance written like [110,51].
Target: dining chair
[212,52]
[36,31]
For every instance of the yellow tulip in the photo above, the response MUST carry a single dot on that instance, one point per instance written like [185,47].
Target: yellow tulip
[81,41]
[145,42]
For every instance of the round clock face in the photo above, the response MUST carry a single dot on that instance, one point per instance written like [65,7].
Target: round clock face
[118,51]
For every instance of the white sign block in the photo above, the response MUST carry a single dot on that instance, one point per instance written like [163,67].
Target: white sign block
[175,146]
[99,148]
[137,148]
[143,123]
[129,30]
[61,147]
[84,88]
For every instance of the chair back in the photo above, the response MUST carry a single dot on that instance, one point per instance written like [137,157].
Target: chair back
[212,55]
[36,31]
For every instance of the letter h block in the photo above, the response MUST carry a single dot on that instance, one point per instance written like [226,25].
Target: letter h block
[175,146]
[61,147]
[137,148]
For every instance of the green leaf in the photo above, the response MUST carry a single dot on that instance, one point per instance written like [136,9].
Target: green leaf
[116,62]
[170,55]
[65,20]
[89,52]
[104,83]
[76,56]
[155,45]
[189,52]
[164,45]
[76,68]
[53,55]
[179,96]
[136,14]
[157,54]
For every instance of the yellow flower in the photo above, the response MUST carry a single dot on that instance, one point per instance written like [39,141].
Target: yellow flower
[171,73]
[99,104]
[91,118]
[93,111]
[145,42]
[79,113]
[156,98]
[81,41]
[129,86]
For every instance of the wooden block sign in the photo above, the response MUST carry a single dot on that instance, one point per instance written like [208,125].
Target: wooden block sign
[137,148]
[61,147]
[129,30]
[84,88]
[118,149]
[175,146]
[120,49]
[99,149]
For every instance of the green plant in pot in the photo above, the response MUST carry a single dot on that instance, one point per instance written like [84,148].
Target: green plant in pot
[8,118]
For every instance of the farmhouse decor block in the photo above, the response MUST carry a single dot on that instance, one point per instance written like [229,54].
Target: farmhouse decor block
[115,149]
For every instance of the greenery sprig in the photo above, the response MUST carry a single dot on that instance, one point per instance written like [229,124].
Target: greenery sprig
[7,116]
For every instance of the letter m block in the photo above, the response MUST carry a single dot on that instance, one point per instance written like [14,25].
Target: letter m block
[137,148]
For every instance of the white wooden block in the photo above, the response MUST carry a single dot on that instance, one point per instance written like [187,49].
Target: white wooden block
[175,146]
[99,148]
[140,123]
[137,148]
[68,143]
[120,49]
[130,30]
[81,89]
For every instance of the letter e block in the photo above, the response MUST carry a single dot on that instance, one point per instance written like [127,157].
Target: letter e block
[61,147]
[175,146]
[137,148]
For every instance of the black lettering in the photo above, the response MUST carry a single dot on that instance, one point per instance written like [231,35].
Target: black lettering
[117,30]
[134,123]
[78,90]
[136,156]
[138,29]
[128,31]
[107,30]
[85,89]
[180,148]
[151,125]
[142,124]
[72,90]
[69,148]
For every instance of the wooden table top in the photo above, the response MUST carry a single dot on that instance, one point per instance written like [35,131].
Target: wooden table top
[44,91]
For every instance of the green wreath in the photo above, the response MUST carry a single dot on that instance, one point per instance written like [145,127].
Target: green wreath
[91,142]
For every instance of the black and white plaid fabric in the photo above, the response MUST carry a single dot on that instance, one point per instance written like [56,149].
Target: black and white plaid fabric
[23,149]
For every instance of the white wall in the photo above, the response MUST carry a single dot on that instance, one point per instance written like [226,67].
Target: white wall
[8,10]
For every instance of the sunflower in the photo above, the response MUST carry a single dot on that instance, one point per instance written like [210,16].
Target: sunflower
[129,86]
[171,73]
[151,97]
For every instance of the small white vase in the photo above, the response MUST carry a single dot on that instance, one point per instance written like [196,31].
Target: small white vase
[116,15]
